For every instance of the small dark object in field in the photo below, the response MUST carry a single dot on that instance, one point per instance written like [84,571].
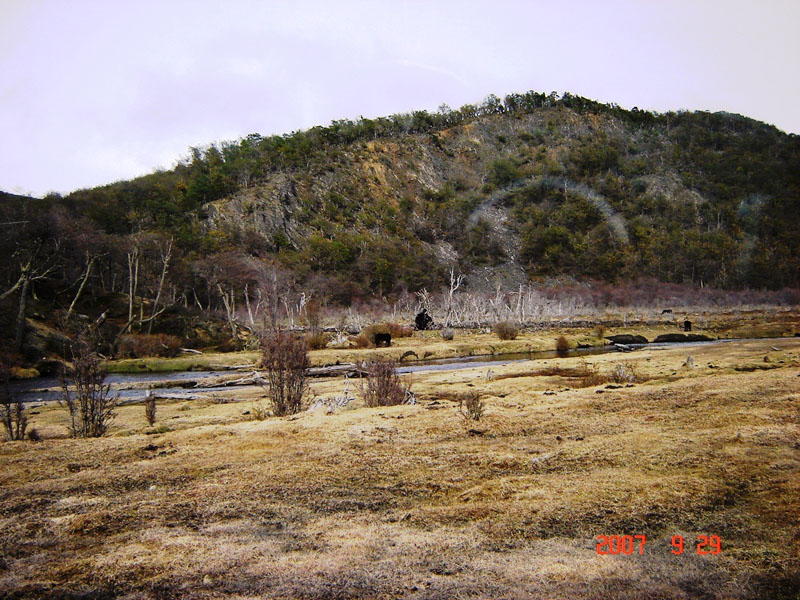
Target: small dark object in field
[423,320]
[666,311]
[687,325]
[383,339]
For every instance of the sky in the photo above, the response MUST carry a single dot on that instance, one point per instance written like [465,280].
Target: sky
[94,91]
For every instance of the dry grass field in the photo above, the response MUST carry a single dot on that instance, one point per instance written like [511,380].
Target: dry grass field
[408,502]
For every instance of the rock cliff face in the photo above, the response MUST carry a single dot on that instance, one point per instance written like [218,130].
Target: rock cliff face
[552,192]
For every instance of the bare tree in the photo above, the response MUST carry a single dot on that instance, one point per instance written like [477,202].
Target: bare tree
[89,403]
[166,254]
[455,283]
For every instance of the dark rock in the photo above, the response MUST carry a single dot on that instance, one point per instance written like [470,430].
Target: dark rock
[682,337]
[627,338]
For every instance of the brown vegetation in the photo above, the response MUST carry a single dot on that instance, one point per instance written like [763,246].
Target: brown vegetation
[506,330]
[142,345]
[382,386]
[364,504]
[87,399]
[285,360]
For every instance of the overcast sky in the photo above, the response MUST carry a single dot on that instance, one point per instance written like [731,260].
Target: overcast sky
[96,91]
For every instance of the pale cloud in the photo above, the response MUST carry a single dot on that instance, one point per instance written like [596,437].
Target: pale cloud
[93,91]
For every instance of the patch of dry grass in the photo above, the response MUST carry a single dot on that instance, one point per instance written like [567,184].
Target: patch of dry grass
[400,502]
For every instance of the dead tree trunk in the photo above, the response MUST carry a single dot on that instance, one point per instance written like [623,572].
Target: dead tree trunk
[89,264]
[165,256]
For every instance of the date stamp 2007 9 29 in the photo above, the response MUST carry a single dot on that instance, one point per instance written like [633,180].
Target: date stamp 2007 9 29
[628,544]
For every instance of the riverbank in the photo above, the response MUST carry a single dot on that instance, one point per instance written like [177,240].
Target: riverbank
[424,345]
[406,501]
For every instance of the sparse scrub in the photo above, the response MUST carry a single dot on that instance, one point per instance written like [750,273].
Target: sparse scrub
[625,373]
[87,399]
[150,410]
[142,345]
[506,330]
[599,331]
[382,385]
[562,344]
[317,341]
[259,412]
[285,359]
[470,406]
[591,376]
[399,331]
[448,333]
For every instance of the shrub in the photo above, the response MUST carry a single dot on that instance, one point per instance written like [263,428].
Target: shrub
[400,331]
[470,406]
[624,373]
[285,359]
[86,398]
[506,330]
[317,341]
[366,339]
[259,412]
[448,333]
[590,375]
[562,344]
[150,409]
[599,331]
[12,412]
[383,386]
[142,345]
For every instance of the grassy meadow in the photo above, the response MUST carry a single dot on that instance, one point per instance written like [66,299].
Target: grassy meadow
[415,502]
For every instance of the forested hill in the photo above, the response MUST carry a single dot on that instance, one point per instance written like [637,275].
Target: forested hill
[527,187]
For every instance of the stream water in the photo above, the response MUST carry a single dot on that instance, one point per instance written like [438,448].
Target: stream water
[132,387]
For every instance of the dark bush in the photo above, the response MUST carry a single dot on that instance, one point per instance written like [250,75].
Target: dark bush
[562,344]
[85,396]
[506,330]
[285,359]
[383,386]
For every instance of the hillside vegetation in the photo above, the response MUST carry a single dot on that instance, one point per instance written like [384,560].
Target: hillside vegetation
[532,186]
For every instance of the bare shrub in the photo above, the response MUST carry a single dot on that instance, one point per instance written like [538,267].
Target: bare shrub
[506,330]
[383,386]
[259,412]
[448,333]
[624,373]
[599,331]
[363,341]
[396,330]
[590,375]
[150,409]
[470,406]
[142,345]
[12,412]
[285,359]
[85,396]
[317,341]
[562,344]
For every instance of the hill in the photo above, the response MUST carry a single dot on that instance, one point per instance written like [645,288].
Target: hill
[530,187]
